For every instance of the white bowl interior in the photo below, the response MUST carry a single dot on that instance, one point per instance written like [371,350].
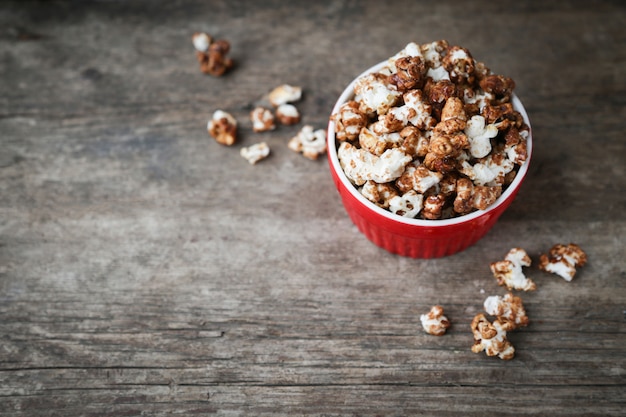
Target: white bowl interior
[348,94]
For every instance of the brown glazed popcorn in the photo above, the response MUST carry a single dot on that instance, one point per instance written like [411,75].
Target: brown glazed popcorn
[223,127]
[508,272]
[434,322]
[508,308]
[491,337]
[449,115]
[212,54]
[563,260]
[262,119]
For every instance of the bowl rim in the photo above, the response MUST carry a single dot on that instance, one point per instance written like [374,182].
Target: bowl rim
[348,93]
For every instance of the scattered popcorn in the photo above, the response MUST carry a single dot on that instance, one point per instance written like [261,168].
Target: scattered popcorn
[212,54]
[311,143]
[491,337]
[262,120]
[446,112]
[255,153]
[223,127]
[201,41]
[563,260]
[509,271]
[287,114]
[284,94]
[435,322]
[508,308]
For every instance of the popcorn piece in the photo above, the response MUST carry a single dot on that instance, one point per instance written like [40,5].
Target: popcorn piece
[508,308]
[433,207]
[375,95]
[201,41]
[415,142]
[459,64]
[415,111]
[563,260]
[287,114]
[515,145]
[480,136]
[417,177]
[349,121]
[410,50]
[285,94]
[435,322]
[311,143]
[410,73]
[453,117]
[255,152]
[379,194]
[214,61]
[433,52]
[262,120]
[223,127]
[509,271]
[491,337]
[491,170]
[501,87]
[408,204]
[360,165]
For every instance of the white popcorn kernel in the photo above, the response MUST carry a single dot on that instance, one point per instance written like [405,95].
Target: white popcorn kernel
[360,165]
[509,271]
[255,153]
[379,194]
[435,322]
[479,136]
[408,204]
[311,143]
[374,95]
[415,111]
[201,41]
[285,94]
[437,74]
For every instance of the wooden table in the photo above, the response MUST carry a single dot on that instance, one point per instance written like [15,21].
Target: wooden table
[147,270]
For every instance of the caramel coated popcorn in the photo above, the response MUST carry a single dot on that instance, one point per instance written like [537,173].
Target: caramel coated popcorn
[508,272]
[311,143]
[508,308]
[434,322]
[491,337]
[563,260]
[433,112]
[212,54]
[223,127]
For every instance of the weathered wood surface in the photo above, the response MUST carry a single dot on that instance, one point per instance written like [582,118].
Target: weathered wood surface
[146,270]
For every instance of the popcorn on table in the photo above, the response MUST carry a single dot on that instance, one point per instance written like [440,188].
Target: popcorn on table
[439,109]
[255,153]
[508,272]
[284,94]
[212,54]
[311,143]
[508,308]
[262,119]
[223,127]
[563,260]
[491,337]
[434,322]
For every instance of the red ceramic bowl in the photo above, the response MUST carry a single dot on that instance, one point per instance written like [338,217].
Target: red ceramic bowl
[417,238]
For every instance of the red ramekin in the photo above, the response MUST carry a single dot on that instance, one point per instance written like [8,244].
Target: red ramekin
[417,238]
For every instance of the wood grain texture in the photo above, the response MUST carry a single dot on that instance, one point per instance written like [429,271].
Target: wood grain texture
[147,270]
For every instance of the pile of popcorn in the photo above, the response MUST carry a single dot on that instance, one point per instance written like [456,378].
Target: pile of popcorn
[432,135]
